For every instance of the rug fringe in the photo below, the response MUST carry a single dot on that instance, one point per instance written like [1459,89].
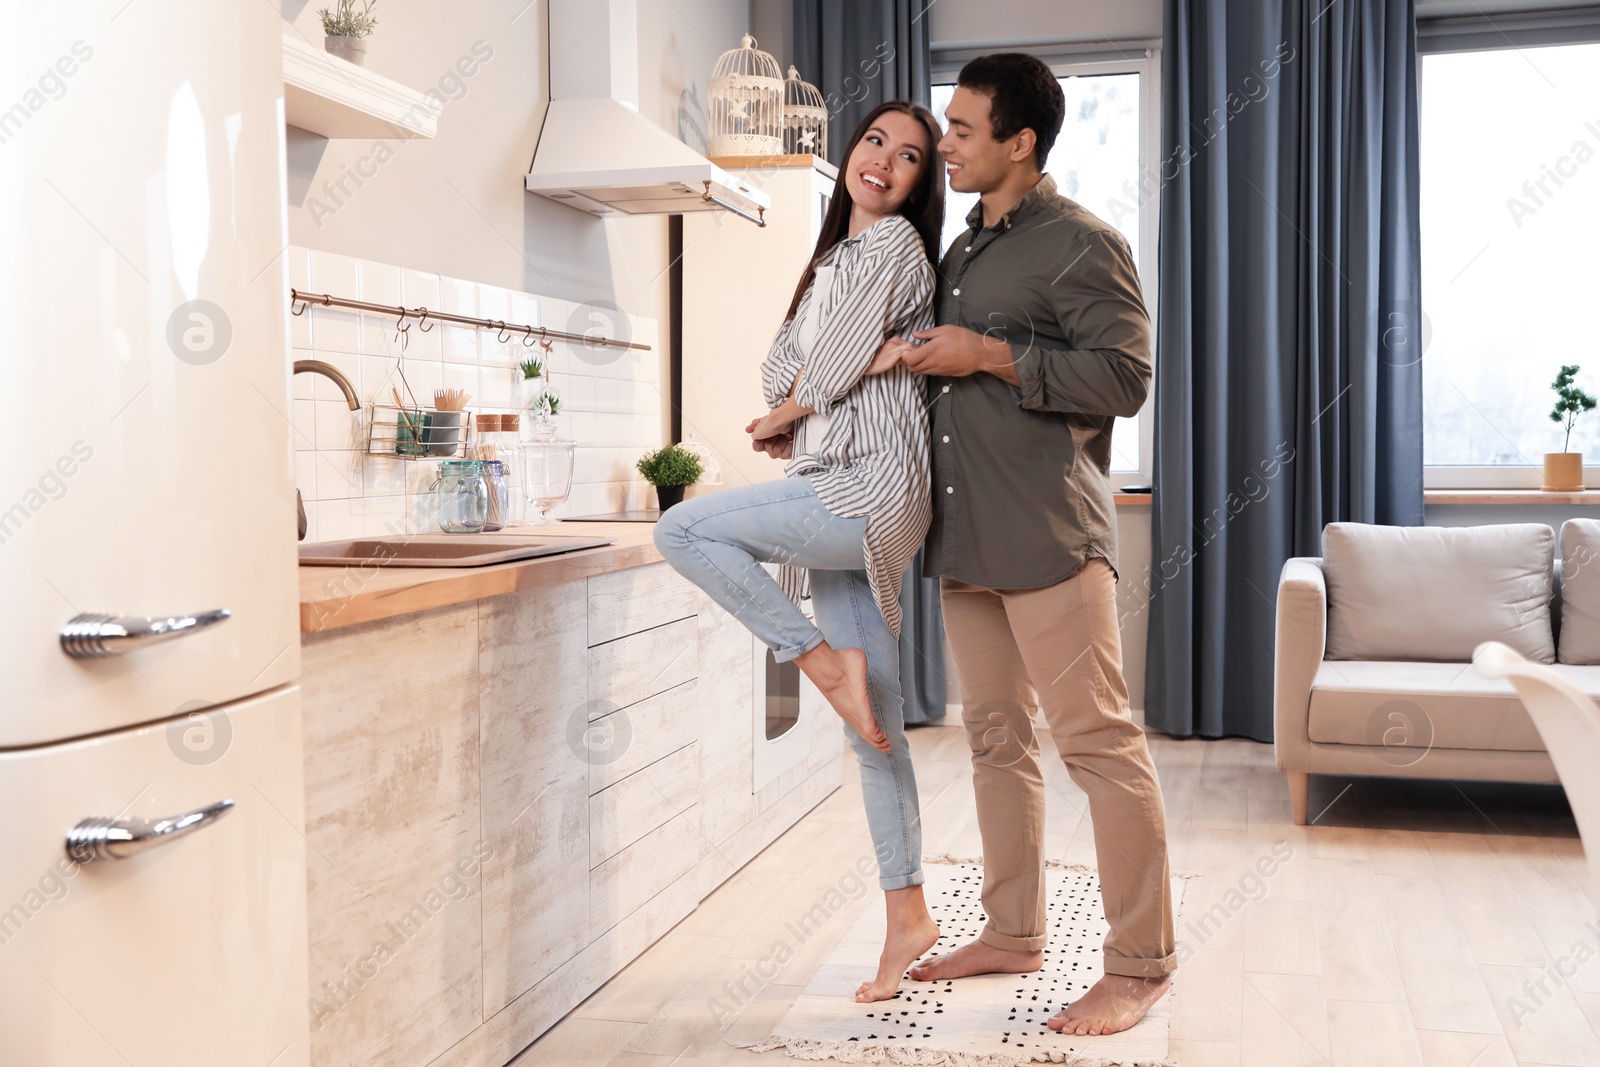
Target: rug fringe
[946,859]
[801,1048]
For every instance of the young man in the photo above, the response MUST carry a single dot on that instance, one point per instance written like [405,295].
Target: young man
[1044,339]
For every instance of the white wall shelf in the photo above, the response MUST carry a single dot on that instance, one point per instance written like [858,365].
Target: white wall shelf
[325,95]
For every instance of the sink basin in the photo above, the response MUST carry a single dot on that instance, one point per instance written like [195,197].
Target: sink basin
[465,550]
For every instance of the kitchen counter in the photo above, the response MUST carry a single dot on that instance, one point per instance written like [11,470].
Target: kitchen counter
[335,597]
[517,778]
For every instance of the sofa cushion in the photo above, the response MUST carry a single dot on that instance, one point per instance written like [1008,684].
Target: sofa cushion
[1580,591]
[1437,592]
[1408,707]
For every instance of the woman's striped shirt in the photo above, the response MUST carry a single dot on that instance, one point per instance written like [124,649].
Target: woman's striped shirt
[872,459]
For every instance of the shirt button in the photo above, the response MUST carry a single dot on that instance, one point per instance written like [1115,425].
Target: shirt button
[946,389]
[955,292]
[946,438]
[949,488]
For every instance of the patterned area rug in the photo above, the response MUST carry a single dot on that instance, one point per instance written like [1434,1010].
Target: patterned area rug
[986,1021]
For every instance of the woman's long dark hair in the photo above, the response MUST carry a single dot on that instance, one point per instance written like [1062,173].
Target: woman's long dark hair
[924,208]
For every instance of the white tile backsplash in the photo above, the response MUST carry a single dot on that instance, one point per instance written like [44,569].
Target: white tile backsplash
[610,406]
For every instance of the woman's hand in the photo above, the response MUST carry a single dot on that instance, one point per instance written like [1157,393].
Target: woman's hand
[772,438]
[890,354]
[774,423]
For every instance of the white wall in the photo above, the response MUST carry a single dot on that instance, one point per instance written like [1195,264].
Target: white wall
[613,410]
[455,205]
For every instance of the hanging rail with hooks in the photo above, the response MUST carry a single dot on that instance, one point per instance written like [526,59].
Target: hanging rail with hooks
[298,302]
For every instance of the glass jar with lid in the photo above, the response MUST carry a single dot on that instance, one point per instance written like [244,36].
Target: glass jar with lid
[499,497]
[547,462]
[463,496]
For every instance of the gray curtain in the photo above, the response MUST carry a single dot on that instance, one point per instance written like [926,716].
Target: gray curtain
[859,53]
[1288,374]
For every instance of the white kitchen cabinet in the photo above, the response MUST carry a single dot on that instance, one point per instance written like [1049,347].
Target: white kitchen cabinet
[596,791]
[159,958]
[738,281]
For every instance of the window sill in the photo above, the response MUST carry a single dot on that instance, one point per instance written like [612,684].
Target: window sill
[1138,500]
[1534,497]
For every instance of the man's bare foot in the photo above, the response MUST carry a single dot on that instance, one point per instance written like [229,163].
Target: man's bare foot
[904,943]
[841,675]
[1111,1005]
[977,958]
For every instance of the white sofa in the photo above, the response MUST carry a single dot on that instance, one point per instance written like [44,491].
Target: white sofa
[1374,645]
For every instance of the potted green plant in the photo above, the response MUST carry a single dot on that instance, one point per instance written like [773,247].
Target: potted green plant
[1563,471]
[671,470]
[531,382]
[347,30]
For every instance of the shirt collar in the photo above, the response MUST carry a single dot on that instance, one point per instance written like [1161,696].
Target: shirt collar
[1045,187]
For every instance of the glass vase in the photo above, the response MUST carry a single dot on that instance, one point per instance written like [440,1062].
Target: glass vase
[546,470]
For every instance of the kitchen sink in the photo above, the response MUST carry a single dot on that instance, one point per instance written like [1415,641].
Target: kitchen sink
[464,550]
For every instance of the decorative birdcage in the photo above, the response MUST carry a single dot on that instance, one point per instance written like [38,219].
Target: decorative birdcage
[805,117]
[746,103]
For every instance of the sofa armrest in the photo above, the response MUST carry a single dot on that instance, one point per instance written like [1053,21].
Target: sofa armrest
[1300,644]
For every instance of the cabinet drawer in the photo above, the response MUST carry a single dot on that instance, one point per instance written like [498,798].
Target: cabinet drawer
[629,879]
[640,598]
[632,738]
[625,671]
[642,802]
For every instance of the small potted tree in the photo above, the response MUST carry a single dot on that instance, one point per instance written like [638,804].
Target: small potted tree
[671,470]
[1563,471]
[347,30]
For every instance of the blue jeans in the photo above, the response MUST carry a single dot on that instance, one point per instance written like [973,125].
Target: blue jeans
[720,541]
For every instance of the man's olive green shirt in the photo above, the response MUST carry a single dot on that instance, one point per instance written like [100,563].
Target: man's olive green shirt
[1021,473]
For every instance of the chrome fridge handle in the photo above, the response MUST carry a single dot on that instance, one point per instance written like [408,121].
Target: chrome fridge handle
[92,635]
[117,839]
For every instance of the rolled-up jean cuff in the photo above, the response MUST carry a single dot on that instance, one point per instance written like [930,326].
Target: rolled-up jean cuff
[1006,943]
[1131,967]
[900,881]
[784,655]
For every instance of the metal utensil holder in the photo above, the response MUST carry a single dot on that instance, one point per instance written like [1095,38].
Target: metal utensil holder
[417,432]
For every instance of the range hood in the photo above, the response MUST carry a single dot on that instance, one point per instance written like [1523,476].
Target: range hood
[595,151]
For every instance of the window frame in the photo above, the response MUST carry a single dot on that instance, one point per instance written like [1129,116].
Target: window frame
[1498,33]
[1144,59]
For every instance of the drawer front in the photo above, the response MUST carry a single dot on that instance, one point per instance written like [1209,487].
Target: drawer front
[632,738]
[629,669]
[640,598]
[619,886]
[642,802]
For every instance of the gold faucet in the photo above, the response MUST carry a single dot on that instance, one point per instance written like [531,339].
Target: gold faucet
[336,376]
[333,374]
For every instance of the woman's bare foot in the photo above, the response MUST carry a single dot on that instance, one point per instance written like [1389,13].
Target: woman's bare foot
[841,675]
[909,936]
[977,958]
[1113,1004]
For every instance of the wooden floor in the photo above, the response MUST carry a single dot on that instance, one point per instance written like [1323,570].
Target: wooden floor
[1410,925]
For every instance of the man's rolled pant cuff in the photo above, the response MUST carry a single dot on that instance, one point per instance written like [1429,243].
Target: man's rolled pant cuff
[1129,967]
[1006,943]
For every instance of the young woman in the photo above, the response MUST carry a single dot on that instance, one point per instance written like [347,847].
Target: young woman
[855,505]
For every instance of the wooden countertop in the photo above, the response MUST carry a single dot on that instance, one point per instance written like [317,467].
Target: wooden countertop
[332,598]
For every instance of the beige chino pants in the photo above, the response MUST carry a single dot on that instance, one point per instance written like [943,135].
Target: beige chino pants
[1059,649]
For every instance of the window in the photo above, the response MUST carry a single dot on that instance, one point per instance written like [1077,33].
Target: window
[1111,128]
[1510,196]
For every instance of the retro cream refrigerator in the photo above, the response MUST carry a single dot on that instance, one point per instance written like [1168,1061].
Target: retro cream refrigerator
[152,868]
